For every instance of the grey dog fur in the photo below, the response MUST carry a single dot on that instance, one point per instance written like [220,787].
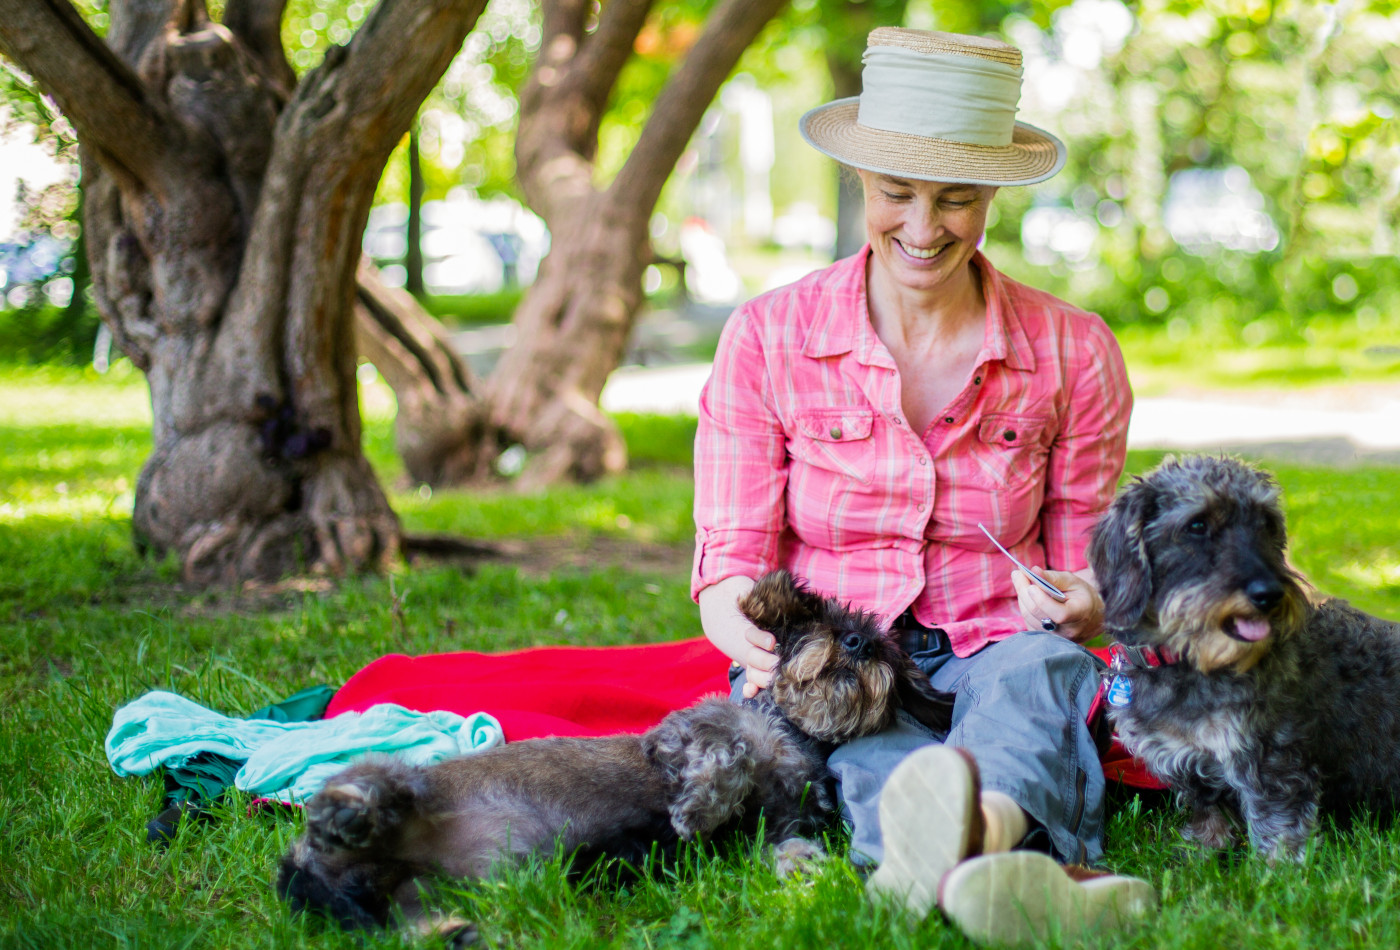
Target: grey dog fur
[1274,732]
[380,828]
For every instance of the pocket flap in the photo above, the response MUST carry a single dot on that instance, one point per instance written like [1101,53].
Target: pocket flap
[1011,431]
[837,425]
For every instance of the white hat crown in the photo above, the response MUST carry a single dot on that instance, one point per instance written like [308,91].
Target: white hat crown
[937,106]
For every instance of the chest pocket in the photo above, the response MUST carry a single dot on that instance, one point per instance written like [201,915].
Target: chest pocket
[1011,448]
[837,440]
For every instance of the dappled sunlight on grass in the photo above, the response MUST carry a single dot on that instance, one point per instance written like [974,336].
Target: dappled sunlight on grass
[1379,574]
[1328,350]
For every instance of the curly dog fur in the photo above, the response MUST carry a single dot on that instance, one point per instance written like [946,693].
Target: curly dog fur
[1267,706]
[380,828]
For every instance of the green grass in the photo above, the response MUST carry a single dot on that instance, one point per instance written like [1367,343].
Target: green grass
[86,625]
[1330,350]
[472,309]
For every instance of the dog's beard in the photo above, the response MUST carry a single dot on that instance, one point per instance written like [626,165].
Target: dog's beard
[1203,625]
[832,697]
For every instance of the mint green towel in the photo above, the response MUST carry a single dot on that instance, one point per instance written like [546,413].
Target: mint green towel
[289,761]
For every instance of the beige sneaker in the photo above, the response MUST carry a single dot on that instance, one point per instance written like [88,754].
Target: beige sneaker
[930,819]
[1023,898]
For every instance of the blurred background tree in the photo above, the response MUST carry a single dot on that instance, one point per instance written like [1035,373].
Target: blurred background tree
[1234,169]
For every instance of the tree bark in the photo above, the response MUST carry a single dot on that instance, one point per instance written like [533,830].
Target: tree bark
[413,231]
[575,320]
[225,208]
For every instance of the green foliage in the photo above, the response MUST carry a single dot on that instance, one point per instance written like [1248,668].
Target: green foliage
[47,334]
[470,309]
[1300,96]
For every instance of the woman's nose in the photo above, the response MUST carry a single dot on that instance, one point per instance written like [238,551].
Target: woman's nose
[923,223]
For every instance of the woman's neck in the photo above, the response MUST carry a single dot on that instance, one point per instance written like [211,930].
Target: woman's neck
[916,319]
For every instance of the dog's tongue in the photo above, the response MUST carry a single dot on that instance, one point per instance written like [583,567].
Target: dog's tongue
[1251,629]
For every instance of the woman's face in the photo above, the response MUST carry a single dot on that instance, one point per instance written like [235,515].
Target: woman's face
[923,233]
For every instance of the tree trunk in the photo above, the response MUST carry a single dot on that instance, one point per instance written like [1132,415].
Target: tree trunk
[572,329]
[440,430]
[225,208]
[575,320]
[850,198]
[413,236]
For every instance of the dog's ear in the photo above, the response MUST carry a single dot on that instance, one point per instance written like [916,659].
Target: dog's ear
[917,697]
[778,601]
[1118,555]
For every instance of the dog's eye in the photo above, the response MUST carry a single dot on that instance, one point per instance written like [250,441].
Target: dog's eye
[1198,528]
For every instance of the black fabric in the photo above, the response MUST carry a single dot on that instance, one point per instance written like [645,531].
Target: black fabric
[914,638]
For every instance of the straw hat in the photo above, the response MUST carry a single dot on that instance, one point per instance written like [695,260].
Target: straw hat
[937,107]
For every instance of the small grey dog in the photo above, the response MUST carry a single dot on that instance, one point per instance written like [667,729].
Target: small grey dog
[380,828]
[1231,684]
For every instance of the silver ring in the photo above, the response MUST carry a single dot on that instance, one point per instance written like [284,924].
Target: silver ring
[1050,625]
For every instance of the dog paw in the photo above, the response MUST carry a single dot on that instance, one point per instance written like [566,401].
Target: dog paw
[1211,829]
[456,933]
[343,816]
[797,857]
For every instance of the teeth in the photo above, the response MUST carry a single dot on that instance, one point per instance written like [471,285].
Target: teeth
[921,253]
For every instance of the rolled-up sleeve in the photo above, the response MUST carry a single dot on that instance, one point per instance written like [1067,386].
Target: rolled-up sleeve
[740,464]
[1086,458]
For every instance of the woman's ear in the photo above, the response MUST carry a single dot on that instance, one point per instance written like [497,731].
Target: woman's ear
[779,602]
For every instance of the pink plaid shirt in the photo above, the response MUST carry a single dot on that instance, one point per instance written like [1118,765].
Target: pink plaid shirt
[803,458]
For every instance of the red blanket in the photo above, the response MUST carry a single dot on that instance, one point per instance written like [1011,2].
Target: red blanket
[573,691]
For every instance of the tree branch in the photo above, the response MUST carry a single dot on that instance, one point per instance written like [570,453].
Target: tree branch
[363,96]
[679,108]
[258,26]
[561,30]
[604,53]
[110,107]
[133,25]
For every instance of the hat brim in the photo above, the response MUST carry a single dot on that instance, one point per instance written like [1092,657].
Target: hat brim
[1033,155]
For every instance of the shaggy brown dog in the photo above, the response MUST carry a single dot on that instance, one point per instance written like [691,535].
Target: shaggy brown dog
[380,827]
[1246,697]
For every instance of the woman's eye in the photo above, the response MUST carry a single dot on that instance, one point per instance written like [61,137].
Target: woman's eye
[896,197]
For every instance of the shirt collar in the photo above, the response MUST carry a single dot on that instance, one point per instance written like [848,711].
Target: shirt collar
[1006,339]
[834,331]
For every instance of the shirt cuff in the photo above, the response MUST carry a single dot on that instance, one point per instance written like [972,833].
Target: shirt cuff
[721,554]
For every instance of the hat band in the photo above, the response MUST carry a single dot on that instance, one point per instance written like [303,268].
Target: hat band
[963,99]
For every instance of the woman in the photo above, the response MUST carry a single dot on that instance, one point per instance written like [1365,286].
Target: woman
[859,428]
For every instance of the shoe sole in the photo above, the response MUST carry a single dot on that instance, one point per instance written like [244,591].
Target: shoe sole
[1023,898]
[925,824]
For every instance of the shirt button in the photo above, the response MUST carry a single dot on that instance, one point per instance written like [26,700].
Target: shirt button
[948,419]
[922,460]
[836,432]
[921,507]
[1010,435]
[898,421]
[977,381]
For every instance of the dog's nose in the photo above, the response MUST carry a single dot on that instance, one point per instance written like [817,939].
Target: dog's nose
[856,645]
[1264,593]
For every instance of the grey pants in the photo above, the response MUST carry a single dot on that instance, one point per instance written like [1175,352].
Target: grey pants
[1021,709]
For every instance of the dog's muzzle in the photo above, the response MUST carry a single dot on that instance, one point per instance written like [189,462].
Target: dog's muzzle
[856,646]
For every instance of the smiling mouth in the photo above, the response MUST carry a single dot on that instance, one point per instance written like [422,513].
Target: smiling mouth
[922,253]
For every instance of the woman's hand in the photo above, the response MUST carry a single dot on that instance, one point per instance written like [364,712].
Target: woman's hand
[759,662]
[1079,618]
[735,636]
